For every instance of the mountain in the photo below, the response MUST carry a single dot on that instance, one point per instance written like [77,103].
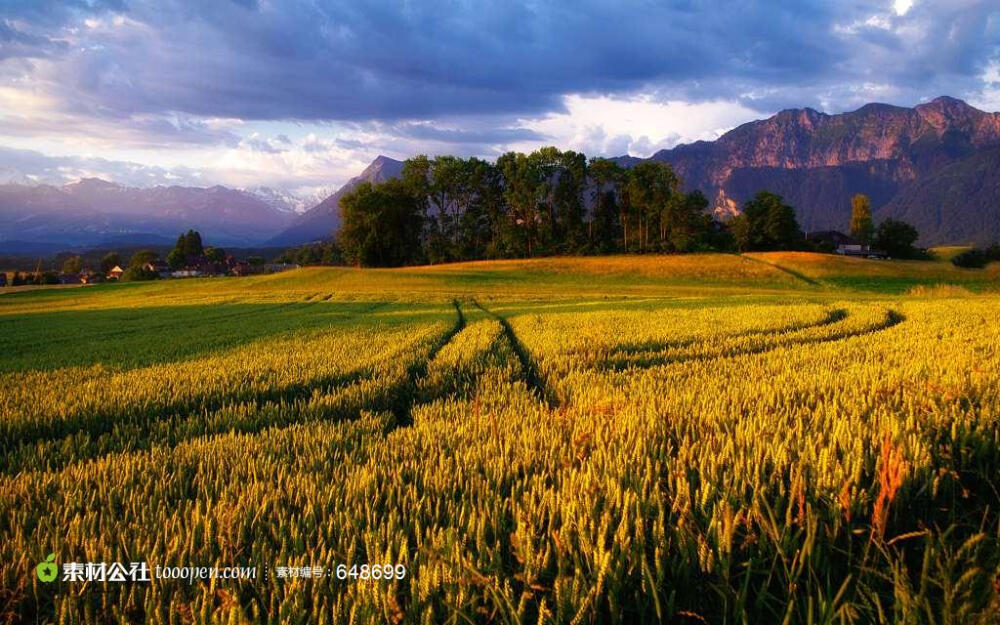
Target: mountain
[905,159]
[972,183]
[93,211]
[279,199]
[322,220]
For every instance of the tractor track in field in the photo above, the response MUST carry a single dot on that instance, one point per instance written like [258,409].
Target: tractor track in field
[532,377]
[831,317]
[891,319]
[408,399]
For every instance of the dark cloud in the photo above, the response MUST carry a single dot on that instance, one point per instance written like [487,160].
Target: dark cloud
[365,60]
[486,136]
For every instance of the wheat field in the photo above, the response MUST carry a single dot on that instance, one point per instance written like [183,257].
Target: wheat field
[750,440]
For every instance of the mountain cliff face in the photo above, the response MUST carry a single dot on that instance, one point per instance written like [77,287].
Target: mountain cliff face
[320,221]
[818,161]
[92,211]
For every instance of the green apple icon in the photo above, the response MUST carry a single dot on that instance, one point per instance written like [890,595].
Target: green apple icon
[47,571]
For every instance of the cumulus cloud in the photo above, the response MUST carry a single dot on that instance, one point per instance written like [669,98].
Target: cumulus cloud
[32,166]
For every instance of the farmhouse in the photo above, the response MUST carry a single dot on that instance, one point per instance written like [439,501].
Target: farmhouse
[863,251]
[115,273]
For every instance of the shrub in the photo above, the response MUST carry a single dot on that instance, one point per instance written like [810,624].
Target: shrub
[971,259]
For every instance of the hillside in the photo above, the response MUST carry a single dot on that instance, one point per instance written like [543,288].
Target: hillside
[322,220]
[971,183]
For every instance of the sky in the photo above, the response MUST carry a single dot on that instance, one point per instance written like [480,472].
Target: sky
[300,95]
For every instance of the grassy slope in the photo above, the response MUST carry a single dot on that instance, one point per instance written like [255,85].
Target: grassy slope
[884,276]
[696,274]
[132,324]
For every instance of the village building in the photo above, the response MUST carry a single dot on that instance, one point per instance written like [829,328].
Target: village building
[843,244]
[115,273]
[861,251]
[184,273]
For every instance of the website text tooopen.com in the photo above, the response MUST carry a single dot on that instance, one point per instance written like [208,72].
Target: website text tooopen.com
[196,573]
[143,572]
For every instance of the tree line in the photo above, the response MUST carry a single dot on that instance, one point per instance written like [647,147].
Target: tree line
[543,203]
[548,202]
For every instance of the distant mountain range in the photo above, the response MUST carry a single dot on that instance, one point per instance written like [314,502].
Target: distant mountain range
[95,212]
[936,165]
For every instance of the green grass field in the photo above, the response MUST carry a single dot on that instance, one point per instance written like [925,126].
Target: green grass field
[760,438]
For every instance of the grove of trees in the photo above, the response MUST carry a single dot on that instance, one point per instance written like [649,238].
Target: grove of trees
[548,202]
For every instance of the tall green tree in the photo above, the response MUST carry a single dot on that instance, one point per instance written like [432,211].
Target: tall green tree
[523,190]
[480,196]
[176,258]
[767,223]
[608,219]
[567,198]
[381,225]
[897,238]
[192,245]
[181,243]
[862,226]
[687,224]
[652,187]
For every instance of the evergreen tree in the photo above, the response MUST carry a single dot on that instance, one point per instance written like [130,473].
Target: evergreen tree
[192,245]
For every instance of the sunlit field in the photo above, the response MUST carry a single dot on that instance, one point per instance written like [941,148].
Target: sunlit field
[768,438]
